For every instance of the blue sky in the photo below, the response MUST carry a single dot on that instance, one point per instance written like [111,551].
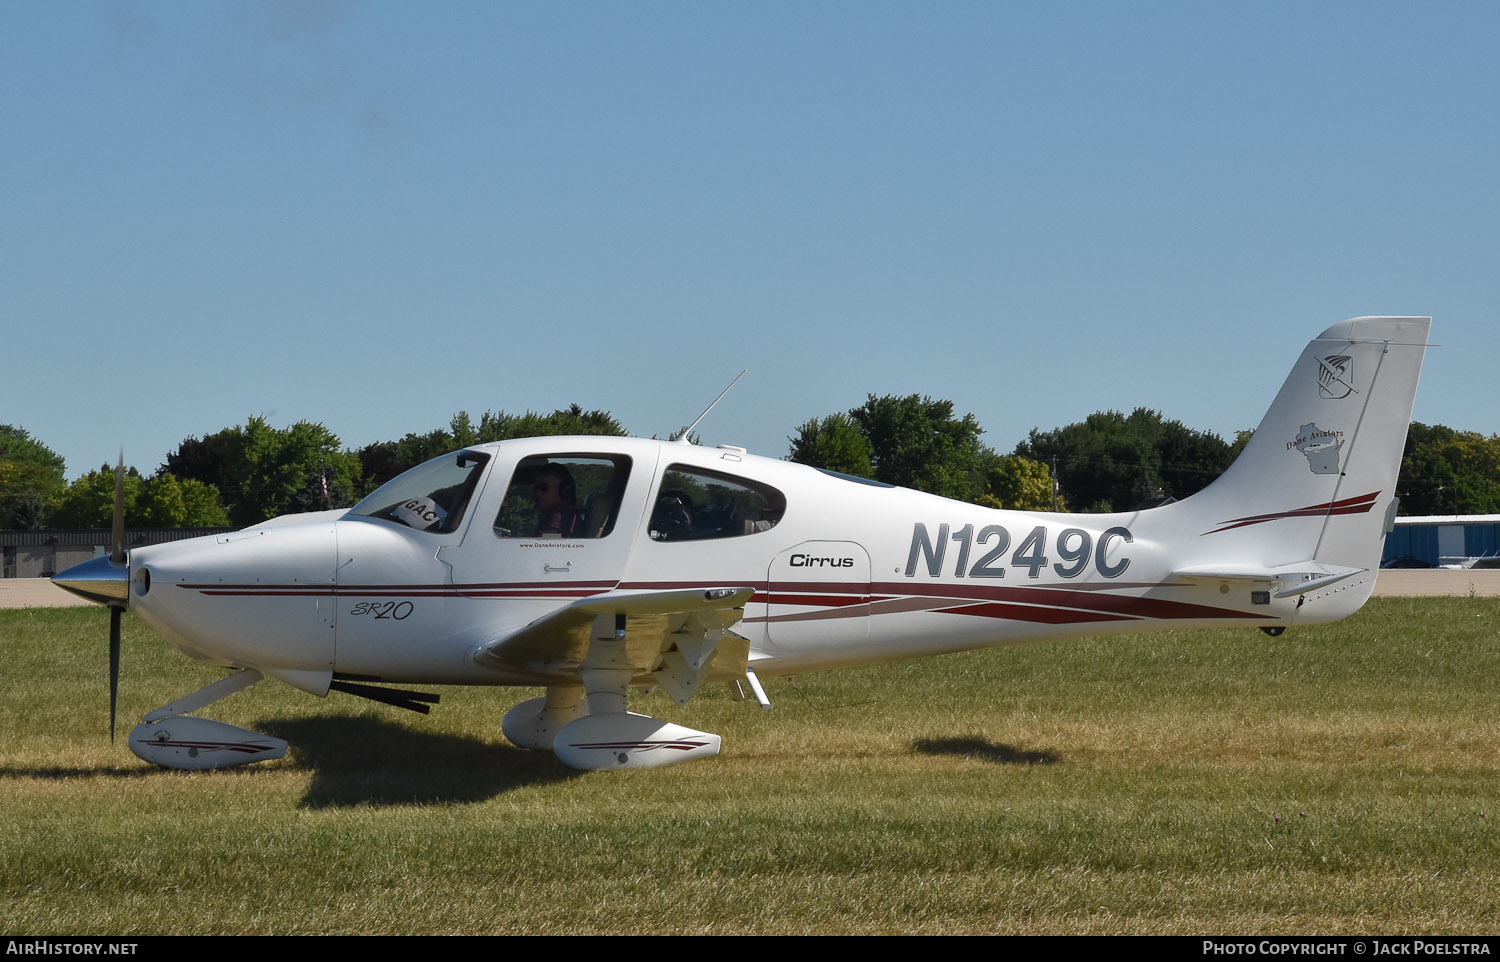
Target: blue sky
[376,214]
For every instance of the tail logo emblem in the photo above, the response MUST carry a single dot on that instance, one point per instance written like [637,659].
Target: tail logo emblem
[1335,376]
[1320,447]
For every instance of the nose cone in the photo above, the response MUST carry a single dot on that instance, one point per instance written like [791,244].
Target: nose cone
[97,579]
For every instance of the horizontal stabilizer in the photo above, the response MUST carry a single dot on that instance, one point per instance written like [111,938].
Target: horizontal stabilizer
[1296,578]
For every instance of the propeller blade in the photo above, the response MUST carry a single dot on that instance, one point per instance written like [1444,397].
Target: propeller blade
[114,664]
[117,542]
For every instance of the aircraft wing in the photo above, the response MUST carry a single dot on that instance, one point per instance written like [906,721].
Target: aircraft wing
[676,638]
[1295,579]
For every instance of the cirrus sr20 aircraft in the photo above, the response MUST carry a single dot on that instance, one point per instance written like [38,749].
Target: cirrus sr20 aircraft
[588,565]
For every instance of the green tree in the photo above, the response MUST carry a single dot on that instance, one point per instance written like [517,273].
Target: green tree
[1449,472]
[1021,484]
[89,502]
[209,460]
[835,443]
[384,460]
[913,441]
[1111,462]
[1241,438]
[263,471]
[31,475]
[1189,460]
[461,429]
[159,502]
[284,471]
[166,502]
[499,426]
[200,504]
[916,442]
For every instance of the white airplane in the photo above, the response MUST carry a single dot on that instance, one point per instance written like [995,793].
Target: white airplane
[590,565]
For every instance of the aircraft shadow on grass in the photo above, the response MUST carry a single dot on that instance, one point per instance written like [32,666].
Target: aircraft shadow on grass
[58,773]
[369,761]
[972,746]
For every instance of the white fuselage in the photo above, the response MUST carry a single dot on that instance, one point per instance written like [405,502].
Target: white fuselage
[850,573]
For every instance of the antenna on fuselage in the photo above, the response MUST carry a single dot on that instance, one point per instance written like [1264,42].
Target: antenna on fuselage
[683,437]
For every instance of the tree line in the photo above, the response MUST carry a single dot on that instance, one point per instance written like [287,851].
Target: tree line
[1109,461]
[247,473]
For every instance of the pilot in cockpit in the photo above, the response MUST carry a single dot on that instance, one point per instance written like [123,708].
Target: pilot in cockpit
[556,501]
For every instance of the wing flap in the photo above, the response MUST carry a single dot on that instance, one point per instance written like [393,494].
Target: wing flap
[690,623]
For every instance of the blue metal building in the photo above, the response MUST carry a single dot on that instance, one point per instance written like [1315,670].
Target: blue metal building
[1443,539]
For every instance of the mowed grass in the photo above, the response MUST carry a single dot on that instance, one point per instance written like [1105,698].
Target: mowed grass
[1338,779]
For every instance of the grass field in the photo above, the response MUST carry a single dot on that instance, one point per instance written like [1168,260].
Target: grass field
[1342,779]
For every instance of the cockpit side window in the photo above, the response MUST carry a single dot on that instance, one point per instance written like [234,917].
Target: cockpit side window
[431,497]
[563,496]
[695,504]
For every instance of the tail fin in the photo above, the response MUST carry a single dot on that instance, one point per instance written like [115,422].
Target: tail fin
[1314,492]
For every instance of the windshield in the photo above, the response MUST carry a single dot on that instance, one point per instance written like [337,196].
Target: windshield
[430,497]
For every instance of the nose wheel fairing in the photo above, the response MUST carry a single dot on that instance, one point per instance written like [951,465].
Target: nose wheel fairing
[171,738]
[196,744]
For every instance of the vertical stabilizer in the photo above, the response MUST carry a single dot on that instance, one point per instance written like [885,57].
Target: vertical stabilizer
[1317,482]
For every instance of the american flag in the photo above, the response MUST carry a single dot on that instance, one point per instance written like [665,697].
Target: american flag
[324,473]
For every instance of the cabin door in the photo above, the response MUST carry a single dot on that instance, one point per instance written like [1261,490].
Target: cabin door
[819,595]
